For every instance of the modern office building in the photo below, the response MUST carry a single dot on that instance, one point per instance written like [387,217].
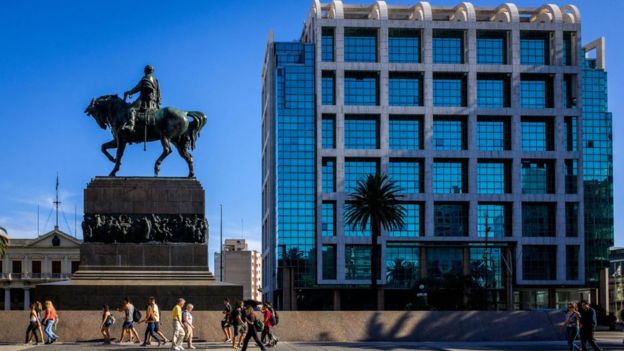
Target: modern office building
[51,257]
[616,282]
[483,116]
[240,266]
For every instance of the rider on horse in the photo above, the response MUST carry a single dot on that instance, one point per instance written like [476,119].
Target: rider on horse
[149,96]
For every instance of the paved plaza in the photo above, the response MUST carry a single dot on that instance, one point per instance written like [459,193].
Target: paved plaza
[607,340]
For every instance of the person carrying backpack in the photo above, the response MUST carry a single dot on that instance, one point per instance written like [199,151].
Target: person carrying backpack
[131,316]
[269,321]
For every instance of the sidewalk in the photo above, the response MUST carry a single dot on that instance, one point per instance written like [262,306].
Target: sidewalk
[608,341]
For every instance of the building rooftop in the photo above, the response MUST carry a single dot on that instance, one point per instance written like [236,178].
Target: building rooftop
[464,11]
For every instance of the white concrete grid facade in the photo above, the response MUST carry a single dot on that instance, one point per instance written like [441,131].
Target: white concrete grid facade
[464,17]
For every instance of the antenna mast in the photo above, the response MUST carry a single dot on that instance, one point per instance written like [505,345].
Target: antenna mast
[57,202]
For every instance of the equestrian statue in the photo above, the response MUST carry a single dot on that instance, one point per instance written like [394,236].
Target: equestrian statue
[143,121]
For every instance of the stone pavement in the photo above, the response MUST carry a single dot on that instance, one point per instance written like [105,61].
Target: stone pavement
[607,340]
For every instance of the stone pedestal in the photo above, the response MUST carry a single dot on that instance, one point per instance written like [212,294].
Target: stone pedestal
[143,237]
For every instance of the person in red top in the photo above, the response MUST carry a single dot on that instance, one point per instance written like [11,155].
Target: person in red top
[267,331]
[48,322]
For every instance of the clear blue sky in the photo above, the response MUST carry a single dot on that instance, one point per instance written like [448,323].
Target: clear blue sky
[55,56]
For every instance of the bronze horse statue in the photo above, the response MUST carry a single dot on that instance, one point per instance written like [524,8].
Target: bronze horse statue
[169,125]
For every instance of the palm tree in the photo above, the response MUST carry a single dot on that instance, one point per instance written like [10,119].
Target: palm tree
[4,241]
[375,202]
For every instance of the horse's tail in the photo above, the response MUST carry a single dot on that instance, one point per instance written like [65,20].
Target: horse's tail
[198,120]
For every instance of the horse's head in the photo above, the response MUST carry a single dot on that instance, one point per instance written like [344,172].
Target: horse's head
[104,109]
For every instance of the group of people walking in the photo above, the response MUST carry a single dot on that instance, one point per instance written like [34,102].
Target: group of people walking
[182,319]
[580,322]
[42,321]
[240,324]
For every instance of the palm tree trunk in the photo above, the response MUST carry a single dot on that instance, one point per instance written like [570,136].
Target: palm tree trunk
[375,233]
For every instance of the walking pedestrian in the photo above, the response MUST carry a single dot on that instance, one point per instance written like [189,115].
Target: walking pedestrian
[588,324]
[178,329]
[571,325]
[252,328]
[107,322]
[33,326]
[238,325]
[267,331]
[39,310]
[225,322]
[156,310]
[150,330]
[187,321]
[129,318]
[50,319]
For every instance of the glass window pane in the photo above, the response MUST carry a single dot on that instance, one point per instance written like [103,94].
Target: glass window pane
[404,89]
[329,261]
[572,262]
[448,177]
[493,219]
[328,218]
[533,93]
[357,170]
[412,227]
[572,219]
[492,178]
[361,88]
[361,133]
[328,88]
[360,45]
[403,46]
[448,47]
[406,174]
[329,132]
[357,262]
[444,261]
[405,133]
[538,219]
[492,48]
[571,176]
[448,92]
[486,267]
[539,262]
[327,45]
[537,177]
[537,134]
[491,93]
[569,135]
[450,219]
[449,133]
[402,265]
[493,134]
[328,176]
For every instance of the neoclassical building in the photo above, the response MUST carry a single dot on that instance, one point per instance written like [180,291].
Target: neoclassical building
[50,257]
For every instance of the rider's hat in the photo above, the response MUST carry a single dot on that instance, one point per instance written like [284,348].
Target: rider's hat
[149,68]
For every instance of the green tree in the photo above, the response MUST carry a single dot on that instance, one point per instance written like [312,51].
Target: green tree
[375,202]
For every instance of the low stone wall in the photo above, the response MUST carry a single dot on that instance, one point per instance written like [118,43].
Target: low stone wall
[330,326]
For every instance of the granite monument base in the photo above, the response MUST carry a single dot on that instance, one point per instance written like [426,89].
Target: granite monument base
[143,237]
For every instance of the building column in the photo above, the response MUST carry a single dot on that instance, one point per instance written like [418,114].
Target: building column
[336,300]
[26,299]
[7,299]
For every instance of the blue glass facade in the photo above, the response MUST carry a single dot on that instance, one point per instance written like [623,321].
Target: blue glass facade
[537,177]
[493,134]
[295,157]
[328,88]
[360,45]
[537,134]
[538,219]
[404,90]
[407,174]
[448,46]
[356,169]
[491,47]
[357,262]
[361,132]
[534,93]
[492,93]
[329,176]
[329,131]
[402,265]
[449,177]
[597,169]
[405,133]
[403,46]
[493,219]
[328,218]
[449,91]
[327,45]
[493,177]
[534,48]
[449,133]
[361,88]
[413,221]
